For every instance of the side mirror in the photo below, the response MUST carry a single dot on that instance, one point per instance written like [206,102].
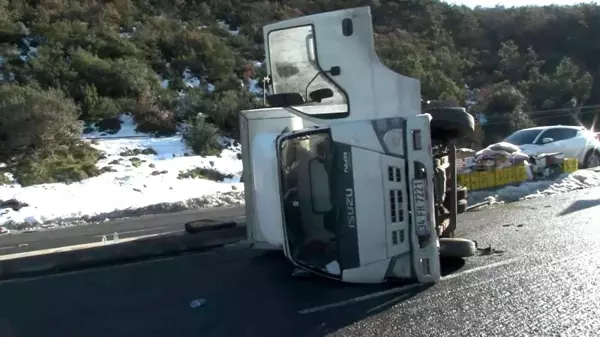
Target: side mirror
[547,140]
[285,99]
[319,94]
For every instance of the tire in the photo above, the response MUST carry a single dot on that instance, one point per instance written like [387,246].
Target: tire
[592,159]
[461,206]
[455,247]
[207,225]
[451,123]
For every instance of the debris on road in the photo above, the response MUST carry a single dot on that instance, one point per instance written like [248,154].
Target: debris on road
[197,303]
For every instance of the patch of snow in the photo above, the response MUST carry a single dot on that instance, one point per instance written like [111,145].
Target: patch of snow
[534,189]
[190,80]
[225,26]
[28,52]
[210,87]
[255,87]
[133,184]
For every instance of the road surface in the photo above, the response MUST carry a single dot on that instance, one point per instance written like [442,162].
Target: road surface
[546,283]
[131,227]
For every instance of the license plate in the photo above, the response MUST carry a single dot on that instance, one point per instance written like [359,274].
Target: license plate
[420,207]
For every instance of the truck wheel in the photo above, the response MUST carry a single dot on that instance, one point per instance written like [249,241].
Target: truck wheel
[450,123]
[456,247]
[461,206]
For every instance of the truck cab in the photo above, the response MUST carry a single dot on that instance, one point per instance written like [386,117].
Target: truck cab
[339,172]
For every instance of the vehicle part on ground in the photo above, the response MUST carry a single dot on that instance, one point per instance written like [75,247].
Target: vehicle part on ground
[340,173]
[456,247]
[206,225]
[479,204]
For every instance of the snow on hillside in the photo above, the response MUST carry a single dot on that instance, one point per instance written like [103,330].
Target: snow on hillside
[142,176]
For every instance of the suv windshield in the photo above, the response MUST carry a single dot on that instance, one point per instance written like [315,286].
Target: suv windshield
[293,62]
[306,164]
[523,137]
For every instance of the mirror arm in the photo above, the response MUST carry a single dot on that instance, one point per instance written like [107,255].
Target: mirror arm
[309,83]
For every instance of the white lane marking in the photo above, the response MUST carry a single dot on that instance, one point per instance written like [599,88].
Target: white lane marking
[451,276]
[79,247]
[131,231]
[360,299]
[487,266]
[402,289]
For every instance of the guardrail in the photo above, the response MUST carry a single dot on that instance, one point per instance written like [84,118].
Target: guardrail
[506,176]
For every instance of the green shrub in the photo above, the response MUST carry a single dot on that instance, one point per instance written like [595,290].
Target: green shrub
[35,120]
[109,125]
[135,161]
[204,173]
[4,179]
[137,151]
[68,164]
[202,138]
[96,107]
[150,118]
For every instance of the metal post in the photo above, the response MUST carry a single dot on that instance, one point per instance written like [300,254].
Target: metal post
[265,81]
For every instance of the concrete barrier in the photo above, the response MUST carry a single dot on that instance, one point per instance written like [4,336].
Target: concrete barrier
[112,252]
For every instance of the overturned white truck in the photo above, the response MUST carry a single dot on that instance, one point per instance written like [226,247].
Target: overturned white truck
[340,174]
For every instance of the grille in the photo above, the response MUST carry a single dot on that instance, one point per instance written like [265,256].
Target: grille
[397,214]
[394,174]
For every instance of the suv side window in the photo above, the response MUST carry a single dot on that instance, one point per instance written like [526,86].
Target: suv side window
[558,134]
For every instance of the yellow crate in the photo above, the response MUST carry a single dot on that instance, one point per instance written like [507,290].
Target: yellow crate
[520,173]
[500,177]
[491,179]
[465,180]
[483,180]
[475,183]
[570,165]
[512,175]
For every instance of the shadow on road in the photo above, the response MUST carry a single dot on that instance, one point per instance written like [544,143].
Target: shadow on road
[579,205]
[245,293]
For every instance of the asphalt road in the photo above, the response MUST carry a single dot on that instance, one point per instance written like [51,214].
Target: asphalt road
[125,228]
[546,283]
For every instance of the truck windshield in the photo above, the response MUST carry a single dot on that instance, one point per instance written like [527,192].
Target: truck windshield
[306,165]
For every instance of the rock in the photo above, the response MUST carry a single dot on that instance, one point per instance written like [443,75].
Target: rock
[13,203]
